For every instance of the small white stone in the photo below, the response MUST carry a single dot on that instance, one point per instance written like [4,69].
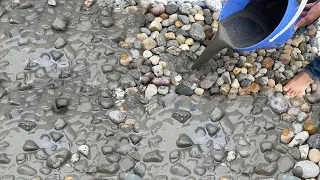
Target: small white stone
[231,156]
[166,72]
[75,158]
[186,27]
[199,17]
[150,91]
[235,83]
[199,91]
[184,47]
[52,2]
[299,139]
[84,149]
[119,93]
[304,150]
[154,59]
[314,50]
[155,26]
[147,54]
[297,128]
[178,78]
[157,70]
[173,17]
[194,86]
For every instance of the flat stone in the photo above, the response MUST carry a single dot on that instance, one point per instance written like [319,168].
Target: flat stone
[153,156]
[181,115]
[4,159]
[30,145]
[26,170]
[286,163]
[27,125]
[58,158]
[59,24]
[216,114]
[184,141]
[180,170]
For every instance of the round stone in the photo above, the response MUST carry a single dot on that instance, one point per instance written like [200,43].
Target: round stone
[314,155]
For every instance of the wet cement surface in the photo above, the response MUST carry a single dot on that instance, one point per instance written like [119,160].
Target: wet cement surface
[61,116]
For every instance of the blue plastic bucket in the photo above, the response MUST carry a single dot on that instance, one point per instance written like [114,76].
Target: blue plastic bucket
[283,32]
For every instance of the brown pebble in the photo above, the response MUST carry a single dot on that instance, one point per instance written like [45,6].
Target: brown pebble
[267,63]
[311,129]
[164,16]
[305,108]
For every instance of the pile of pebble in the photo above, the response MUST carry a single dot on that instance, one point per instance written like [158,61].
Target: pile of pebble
[301,139]
[177,28]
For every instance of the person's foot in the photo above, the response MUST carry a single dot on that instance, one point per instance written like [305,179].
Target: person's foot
[298,84]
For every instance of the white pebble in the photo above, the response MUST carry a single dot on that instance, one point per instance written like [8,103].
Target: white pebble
[314,50]
[154,34]
[178,78]
[235,83]
[147,54]
[173,17]
[297,128]
[119,93]
[304,150]
[75,158]
[199,91]
[154,59]
[199,17]
[166,72]
[84,149]
[231,156]
[194,86]
[184,47]
[299,139]
[150,91]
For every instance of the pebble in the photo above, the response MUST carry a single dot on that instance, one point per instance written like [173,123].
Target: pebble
[184,90]
[305,169]
[286,136]
[199,91]
[84,150]
[125,60]
[149,44]
[231,156]
[154,59]
[314,141]
[157,70]
[197,32]
[151,91]
[299,139]
[146,54]
[59,24]
[199,17]
[58,158]
[304,150]
[314,155]
[163,90]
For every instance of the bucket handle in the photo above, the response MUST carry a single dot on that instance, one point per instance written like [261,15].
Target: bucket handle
[293,20]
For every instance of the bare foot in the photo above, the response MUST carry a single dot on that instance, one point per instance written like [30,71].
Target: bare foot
[298,84]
